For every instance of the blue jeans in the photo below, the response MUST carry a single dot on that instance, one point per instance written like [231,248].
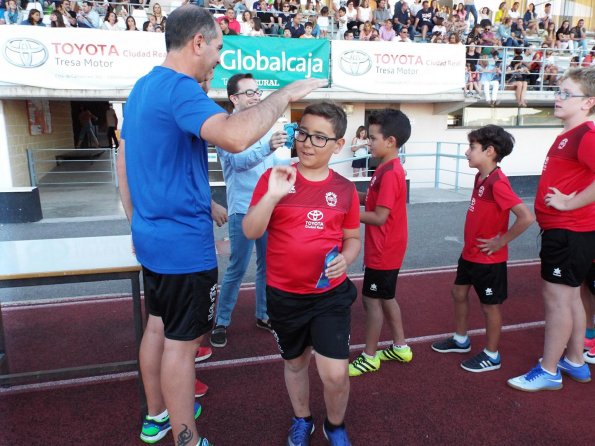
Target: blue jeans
[241,251]
[473,10]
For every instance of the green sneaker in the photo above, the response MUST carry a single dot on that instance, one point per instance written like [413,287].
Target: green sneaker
[392,353]
[153,430]
[361,365]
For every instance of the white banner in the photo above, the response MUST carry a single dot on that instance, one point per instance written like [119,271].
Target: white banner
[397,68]
[72,58]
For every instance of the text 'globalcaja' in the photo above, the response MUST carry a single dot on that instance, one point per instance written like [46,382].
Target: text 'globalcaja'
[237,60]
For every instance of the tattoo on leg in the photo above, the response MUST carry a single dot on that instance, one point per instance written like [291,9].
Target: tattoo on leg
[184,437]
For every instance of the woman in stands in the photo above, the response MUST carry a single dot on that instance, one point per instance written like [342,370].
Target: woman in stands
[359,147]
[518,78]
[563,39]
[34,19]
[501,13]
[550,38]
[110,23]
[530,14]
[461,12]
[257,30]
[364,11]
[131,24]
[485,14]
[158,13]
[56,20]
[12,15]
[366,31]
[474,37]
[246,23]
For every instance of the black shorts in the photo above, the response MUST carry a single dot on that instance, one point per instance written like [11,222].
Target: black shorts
[566,256]
[359,164]
[590,281]
[185,302]
[380,284]
[322,321]
[490,280]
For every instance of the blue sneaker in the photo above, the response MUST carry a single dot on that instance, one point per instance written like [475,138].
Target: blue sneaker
[449,345]
[536,380]
[582,374]
[338,437]
[153,430]
[300,431]
[481,363]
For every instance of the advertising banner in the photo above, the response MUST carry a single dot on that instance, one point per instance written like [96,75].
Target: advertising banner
[397,68]
[274,62]
[72,58]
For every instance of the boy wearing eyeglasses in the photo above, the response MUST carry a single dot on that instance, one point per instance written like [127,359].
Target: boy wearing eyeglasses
[385,217]
[565,211]
[311,214]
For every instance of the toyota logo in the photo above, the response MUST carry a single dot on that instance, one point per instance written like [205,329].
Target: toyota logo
[25,53]
[315,215]
[355,63]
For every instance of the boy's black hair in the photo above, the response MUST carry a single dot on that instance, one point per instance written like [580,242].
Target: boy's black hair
[332,112]
[393,123]
[495,136]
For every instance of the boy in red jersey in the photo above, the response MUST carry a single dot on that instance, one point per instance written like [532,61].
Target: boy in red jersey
[483,261]
[385,217]
[311,214]
[565,210]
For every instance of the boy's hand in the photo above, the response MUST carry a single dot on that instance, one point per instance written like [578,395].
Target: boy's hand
[278,140]
[490,245]
[558,200]
[281,180]
[336,267]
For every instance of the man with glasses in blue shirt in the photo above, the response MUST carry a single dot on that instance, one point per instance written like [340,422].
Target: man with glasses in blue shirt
[241,172]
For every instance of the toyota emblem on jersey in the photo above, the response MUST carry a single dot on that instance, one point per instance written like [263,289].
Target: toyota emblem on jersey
[562,143]
[314,220]
[315,215]
[331,199]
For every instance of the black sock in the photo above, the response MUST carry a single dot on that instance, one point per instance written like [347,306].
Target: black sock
[308,418]
[331,427]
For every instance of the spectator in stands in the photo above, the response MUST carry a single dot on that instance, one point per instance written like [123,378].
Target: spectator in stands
[381,13]
[261,5]
[403,19]
[310,9]
[461,12]
[563,38]
[488,77]
[471,10]
[267,19]
[277,6]
[88,17]
[246,23]
[56,20]
[351,14]
[239,7]
[454,39]
[403,36]
[217,6]
[12,15]
[472,86]
[110,22]
[257,30]
[474,36]
[550,35]
[501,13]
[439,27]
[366,31]
[589,59]
[2,11]
[324,22]
[225,30]
[34,18]
[546,16]
[485,14]
[284,16]
[387,33]
[505,33]
[308,27]
[233,24]
[517,31]
[550,77]
[514,12]
[437,37]
[342,22]
[348,35]
[415,7]
[489,39]
[424,21]
[530,14]
[131,24]
[579,37]
[518,78]
[375,37]
[364,11]
[295,26]
[454,25]
[472,56]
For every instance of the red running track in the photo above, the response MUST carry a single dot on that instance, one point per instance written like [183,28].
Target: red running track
[429,401]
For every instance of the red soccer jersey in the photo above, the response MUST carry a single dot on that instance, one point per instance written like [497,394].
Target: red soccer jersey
[488,216]
[569,167]
[305,225]
[385,245]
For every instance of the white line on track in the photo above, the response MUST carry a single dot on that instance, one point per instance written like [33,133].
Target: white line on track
[231,363]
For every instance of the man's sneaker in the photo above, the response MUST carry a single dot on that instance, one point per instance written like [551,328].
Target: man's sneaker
[200,388]
[300,431]
[392,353]
[589,343]
[203,353]
[590,356]
[536,380]
[582,374]
[481,363]
[219,336]
[153,431]
[451,346]
[265,325]
[338,437]
[361,365]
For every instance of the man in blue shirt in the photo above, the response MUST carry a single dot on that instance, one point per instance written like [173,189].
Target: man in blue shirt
[241,172]
[163,172]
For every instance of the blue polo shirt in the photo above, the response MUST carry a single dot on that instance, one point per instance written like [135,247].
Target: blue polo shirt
[167,170]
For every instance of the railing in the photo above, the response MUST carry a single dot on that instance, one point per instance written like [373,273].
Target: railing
[72,167]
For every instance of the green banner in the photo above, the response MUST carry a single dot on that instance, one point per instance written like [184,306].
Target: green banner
[274,62]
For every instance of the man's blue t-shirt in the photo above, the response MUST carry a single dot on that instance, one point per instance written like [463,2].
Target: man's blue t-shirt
[167,171]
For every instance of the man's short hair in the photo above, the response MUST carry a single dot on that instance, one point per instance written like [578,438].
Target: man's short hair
[393,123]
[332,113]
[232,83]
[183,24]
[347,32]
[495,136]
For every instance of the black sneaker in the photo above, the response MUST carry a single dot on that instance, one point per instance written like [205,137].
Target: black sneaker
[451,346]
[481,363]
[219,336]
[265,325]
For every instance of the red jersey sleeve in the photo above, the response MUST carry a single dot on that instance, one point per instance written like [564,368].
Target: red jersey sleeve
[352,217]
[261,187]
[390,189]
[504,195]
[586,154]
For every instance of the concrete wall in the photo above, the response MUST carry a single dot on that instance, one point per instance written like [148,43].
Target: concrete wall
[19,138]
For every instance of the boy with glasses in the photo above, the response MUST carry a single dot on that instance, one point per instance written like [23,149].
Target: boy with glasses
[311,214]
[565,211]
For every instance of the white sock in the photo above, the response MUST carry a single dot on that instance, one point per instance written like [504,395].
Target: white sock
[548,372]
[368,356]
[400,346]
[460,339]
[573,364]
[492,355]
[162,416]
